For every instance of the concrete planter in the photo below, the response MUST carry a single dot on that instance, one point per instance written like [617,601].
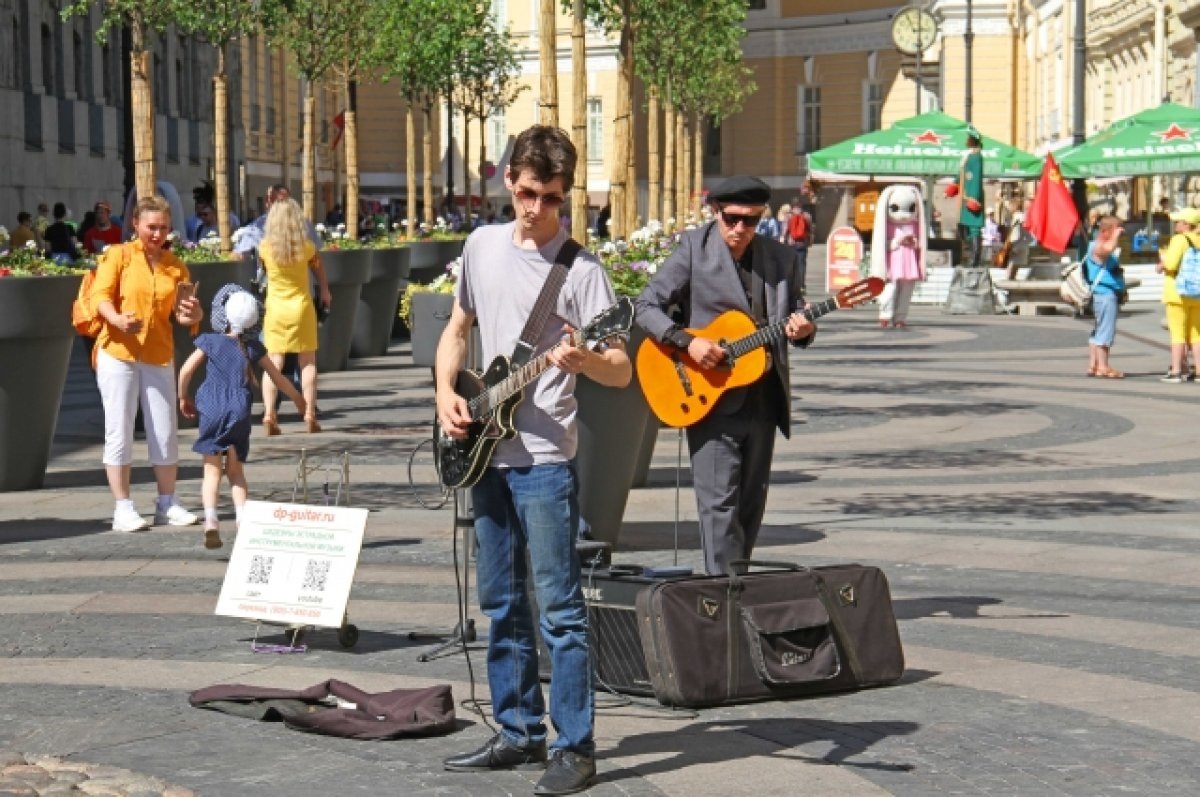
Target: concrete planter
[346,270]
[378,302]
[430,314]
[35,350]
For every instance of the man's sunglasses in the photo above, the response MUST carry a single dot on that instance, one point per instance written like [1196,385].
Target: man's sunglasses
[748,220]
[530,198]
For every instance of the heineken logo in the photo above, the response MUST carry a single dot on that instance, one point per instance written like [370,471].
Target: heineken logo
[1174,133]
[928,137]
[942,151]
[1187,148]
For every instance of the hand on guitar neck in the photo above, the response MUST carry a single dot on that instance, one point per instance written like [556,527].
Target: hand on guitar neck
[708,354]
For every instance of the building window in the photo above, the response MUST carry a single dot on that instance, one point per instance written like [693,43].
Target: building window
[13,73]
[47,60]
[808,125]
[872,106]
[79,61]
[595,129]
[497,138]
[106,75]
[756,5]
[500,13]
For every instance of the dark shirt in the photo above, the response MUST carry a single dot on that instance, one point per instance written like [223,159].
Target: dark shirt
[60,238]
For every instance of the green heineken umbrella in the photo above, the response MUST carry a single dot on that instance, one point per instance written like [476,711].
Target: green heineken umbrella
[932,143]
[1162,140]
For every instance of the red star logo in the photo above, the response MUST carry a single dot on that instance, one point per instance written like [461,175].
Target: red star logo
[1174,132]
[928,137]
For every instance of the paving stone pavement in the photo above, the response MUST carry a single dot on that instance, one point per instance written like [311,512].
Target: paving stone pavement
[1038,529]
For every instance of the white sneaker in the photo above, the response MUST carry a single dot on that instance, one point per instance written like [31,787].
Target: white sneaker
[175,515]
[129,520]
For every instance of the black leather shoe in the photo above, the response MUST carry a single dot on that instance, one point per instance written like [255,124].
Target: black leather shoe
[566,773]
[498,754]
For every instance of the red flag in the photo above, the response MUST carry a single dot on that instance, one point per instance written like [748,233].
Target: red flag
[339,122]
[1052,218]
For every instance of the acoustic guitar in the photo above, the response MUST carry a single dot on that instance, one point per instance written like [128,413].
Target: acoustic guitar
[681,393]
[492,399]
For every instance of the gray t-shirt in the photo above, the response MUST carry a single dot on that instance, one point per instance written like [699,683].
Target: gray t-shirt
[499,284]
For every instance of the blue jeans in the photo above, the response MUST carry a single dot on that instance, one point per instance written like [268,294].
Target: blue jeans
[534,510]
[1105,309]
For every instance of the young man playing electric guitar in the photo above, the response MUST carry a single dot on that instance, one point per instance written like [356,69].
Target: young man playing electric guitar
[719,267]
[527,498]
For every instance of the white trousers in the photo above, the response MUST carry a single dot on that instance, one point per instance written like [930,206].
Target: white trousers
[894,301]
[122,385]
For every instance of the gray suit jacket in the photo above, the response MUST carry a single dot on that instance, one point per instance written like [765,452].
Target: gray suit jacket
[701,277]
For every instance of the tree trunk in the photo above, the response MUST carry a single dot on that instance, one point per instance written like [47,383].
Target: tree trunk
[308,153]
[549,63]
[141,102]
[622,132]
[654,166]
[427,161]
[351,144]
[410,166]
[466,150]
[579,125]
[669,172]
[683,146]
[482,169]
[220,149]
[631,194]
[698,165]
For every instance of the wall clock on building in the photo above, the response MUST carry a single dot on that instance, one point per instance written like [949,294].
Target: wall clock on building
[914,30]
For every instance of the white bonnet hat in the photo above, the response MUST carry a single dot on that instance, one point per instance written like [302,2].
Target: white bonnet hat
[241,311]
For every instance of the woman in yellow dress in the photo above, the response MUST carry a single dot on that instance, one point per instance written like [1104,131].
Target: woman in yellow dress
[290,325]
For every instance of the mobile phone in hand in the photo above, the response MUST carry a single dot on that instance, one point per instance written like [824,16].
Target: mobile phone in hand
[186,290]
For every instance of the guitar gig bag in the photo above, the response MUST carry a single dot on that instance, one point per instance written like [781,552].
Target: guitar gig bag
[785,632]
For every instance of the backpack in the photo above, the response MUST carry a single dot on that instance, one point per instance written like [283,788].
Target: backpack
[1187,279]
[798,227]
[84,316]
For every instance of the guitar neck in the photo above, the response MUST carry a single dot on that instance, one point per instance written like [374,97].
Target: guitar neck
[483,404]
[773,332]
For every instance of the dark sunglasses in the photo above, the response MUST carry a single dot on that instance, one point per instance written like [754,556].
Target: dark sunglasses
[530,198]
[748,220]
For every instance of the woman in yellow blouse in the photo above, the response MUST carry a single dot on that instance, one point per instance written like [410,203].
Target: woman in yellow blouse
[1183,314]
[290,325]
[135,294]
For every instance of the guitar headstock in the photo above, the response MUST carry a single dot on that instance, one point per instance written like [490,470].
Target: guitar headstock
[613,322]
[860,292]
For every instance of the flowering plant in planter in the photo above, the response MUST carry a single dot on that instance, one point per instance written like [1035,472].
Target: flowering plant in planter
[630,264]
[444,283]
[28,261]
[207,250]
[337,239]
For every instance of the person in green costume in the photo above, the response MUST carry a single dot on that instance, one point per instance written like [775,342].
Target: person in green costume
[969,188]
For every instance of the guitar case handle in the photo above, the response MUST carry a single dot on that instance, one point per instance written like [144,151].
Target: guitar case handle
[735,580]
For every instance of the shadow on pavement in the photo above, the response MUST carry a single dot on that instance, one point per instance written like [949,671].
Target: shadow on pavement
[660,536]
[38,529]
[665,477]
[922,459]
[849,740]
[954,606]
[95,476]
[1012,506]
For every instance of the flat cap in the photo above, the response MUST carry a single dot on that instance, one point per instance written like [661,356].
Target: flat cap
[741,190]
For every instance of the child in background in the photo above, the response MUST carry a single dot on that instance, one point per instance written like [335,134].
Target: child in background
[223,400]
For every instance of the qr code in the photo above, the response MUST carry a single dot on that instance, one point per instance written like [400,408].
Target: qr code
[316,573]
[260,569]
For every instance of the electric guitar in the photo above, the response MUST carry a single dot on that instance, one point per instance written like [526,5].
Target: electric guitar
[492,399]
[681,393]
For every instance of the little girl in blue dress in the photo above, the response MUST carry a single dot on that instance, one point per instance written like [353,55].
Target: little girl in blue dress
[223,400]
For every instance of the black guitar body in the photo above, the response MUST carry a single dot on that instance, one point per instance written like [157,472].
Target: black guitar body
[460,463]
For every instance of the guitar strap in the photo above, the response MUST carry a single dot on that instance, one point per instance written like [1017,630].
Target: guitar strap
[545,302]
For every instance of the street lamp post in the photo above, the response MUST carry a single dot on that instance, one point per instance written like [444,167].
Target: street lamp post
[968,42]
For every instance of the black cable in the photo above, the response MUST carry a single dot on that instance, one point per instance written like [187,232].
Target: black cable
[462,622]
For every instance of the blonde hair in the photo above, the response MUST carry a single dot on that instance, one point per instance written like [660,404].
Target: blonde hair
[152,204]
[285,235]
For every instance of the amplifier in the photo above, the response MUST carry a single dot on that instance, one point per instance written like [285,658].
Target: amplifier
[611,595]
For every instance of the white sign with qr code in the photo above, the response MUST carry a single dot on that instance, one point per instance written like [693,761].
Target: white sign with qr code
[293,563]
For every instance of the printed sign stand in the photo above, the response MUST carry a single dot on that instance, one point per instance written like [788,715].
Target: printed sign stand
[293,564]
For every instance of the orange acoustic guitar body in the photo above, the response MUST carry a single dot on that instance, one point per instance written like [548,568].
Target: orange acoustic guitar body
[678,391]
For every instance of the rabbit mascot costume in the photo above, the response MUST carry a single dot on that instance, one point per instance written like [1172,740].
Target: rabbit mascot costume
[898,246]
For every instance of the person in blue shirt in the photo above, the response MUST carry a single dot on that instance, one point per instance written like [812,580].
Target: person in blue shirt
[1102,270]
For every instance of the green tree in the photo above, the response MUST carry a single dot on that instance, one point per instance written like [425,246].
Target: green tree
[221,23]
[420,44]
[142,17]
[487,82]
[311,31]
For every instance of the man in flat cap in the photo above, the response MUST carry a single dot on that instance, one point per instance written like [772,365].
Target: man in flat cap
[719,267]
